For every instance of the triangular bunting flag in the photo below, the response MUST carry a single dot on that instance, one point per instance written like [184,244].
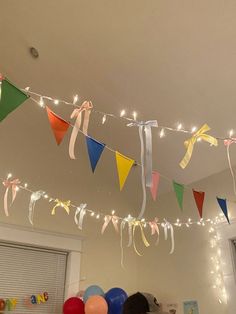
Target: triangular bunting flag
[11,97]
[199,200]
[179,191]
[95,150]
[223,205]
[155,183]
[59,126]
[124,164]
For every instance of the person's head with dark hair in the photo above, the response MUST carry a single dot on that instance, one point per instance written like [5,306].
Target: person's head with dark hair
[136,304]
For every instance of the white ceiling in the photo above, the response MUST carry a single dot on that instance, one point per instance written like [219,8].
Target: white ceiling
[174,61]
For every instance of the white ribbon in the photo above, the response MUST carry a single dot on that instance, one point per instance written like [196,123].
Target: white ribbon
[146,163]
[81,210]
[35,196]
[168,226]
[129,221]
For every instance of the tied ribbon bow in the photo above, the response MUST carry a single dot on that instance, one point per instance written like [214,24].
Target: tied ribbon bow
[146,163]
[13,184]
[227,143]
[155,229]
[35,196]
[189,144]
[77,113]
[168,226]
[81,210]
[114,220]
[65,205]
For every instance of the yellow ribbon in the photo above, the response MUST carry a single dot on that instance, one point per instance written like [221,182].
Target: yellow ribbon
[138,223]
[65,205]
[189,144]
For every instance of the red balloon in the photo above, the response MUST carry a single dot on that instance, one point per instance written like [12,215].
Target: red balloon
[73,306]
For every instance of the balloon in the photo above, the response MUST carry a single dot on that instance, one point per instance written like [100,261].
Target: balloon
[115,298]
[92,290]
[73,306]
[80,294]
[96,305]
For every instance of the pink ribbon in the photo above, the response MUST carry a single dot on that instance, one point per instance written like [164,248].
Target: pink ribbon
[13,185]
[227,143]
[155,229]
[77,113]
[109,218]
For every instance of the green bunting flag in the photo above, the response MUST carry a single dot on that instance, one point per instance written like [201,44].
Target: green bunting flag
[10,98]
[179,191]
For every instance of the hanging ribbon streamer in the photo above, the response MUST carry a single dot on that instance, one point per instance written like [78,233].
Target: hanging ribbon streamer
[13,184]
[146,163]
[168,226]
[81,210]
[77,113]
[136,224]
[107,220]
[227,143]
[35,196]
[189,144]
[65,205]
[155,229]
[128,220]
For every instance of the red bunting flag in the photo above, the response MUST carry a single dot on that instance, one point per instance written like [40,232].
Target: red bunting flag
[199,200]
[58,125]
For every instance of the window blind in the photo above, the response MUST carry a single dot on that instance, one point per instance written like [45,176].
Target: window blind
[29,271]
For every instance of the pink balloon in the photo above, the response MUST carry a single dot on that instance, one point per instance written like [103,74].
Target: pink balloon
[73,306]
[96,305]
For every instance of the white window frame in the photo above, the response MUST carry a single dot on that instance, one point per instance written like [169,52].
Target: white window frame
[226,234]
[57,241]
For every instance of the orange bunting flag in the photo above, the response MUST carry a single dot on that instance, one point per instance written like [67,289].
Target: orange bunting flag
[124,165]
[58,125]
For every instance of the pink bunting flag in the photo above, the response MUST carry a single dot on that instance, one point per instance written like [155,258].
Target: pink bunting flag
[155,184]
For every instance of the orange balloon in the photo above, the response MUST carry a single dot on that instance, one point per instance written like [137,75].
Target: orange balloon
[96,305]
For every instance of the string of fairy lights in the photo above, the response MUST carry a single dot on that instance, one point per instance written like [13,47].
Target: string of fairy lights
[122,116]
[216,266]
[101,215]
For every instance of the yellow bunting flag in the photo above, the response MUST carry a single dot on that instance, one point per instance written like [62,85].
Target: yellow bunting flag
[124,164]
[189,144]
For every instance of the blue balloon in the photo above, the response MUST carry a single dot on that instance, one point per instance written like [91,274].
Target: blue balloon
[92,290]
[115,298]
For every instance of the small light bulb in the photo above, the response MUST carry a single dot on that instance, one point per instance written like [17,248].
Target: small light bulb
[113,212]
[98,216]
[135,115]
[46,196]
[122,113]
[41,102]
[162,133]
[231,132]
[76,98]
[25,185]
[199,139]
[104,118]
[194,129]
[9,175]
[17,188]
[27,88]
[179,127]
[92,214]
[56,101]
